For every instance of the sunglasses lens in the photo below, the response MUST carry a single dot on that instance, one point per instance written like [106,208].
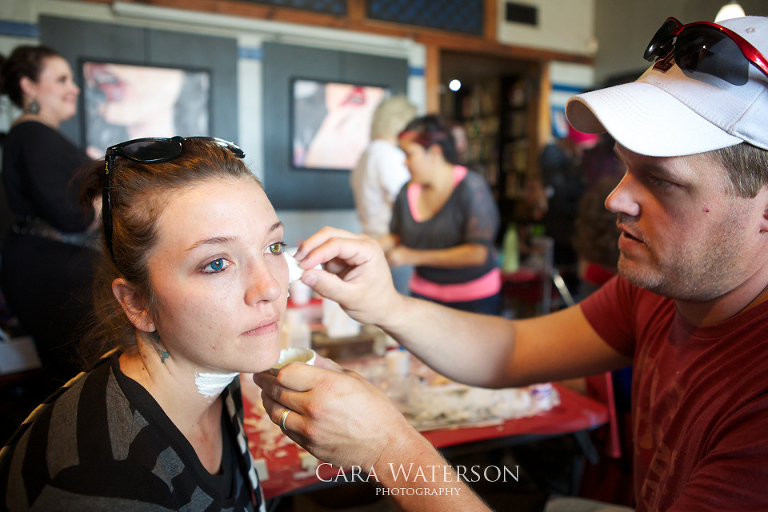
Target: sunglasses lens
[151,150]
[239,153]
[660,41]
[709,51]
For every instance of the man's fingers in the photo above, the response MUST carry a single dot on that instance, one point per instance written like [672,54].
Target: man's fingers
[323,283]
[328,364]
[352,250]
[321,237]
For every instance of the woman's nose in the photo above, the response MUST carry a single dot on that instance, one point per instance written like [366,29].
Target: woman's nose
[262,284]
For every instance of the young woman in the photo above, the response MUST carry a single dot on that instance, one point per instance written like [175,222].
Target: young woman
[191,292]
[444,222]
[47,259]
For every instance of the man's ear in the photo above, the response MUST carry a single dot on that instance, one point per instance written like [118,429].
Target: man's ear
[133,305]
[762,198]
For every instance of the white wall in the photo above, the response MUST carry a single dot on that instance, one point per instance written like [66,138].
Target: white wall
[563,25]
[567,79]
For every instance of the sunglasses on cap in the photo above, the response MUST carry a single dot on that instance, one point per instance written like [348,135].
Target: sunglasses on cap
[145,151]
[707,48]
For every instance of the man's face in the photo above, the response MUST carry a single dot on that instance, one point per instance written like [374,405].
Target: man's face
[685,235]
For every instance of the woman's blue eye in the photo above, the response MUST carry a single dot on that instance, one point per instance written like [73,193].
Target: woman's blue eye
[215,266]
[276,249]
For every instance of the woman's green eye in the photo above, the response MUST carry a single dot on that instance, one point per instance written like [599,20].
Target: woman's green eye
[276,249]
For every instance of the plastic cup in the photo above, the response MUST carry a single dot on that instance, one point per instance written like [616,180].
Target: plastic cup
[294,355]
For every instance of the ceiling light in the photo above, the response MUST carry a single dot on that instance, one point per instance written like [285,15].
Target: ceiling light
[728,11]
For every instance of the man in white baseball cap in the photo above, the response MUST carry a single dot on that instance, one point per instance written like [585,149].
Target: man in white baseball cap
[688,310]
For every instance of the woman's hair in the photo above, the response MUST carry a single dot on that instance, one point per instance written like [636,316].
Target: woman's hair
[391,116]
[433,129]
[139,193]
[24,61]
[596,236]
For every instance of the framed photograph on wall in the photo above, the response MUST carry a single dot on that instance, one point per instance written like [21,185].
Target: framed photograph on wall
[126,101]
[331,122]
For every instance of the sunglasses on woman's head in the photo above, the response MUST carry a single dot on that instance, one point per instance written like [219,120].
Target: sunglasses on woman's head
[707,48]
[145,151]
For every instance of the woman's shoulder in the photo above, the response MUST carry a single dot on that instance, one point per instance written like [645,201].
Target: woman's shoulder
[31,125]
[35,138]
[471,176]
[472,183]
[32,132]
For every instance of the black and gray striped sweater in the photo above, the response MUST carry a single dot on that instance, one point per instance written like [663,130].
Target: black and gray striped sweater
[103,443]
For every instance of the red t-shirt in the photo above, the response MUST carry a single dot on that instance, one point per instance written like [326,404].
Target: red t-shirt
[699,400]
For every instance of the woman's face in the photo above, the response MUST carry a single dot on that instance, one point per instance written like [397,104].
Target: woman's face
[220,278]
[418,160]
[55,90]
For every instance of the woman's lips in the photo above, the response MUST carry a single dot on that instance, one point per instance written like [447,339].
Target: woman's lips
[113,87]
[266,327]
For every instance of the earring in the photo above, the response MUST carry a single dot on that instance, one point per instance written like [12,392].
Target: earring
[33,107]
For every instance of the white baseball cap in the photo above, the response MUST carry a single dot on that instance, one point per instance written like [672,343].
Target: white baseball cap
[675,112]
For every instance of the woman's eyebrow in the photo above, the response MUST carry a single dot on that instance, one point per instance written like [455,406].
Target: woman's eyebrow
[210,241]
[275,226]
[223,239]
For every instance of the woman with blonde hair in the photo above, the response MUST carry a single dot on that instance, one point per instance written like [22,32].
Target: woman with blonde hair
[381,173]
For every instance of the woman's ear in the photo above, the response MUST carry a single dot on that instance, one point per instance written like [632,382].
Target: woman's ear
[133,305]
[435,151]
[28,87]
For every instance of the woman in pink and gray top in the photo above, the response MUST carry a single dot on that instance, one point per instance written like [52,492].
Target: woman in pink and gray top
[444,222]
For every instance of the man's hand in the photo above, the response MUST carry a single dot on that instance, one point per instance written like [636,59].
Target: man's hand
[355,274]
[335,414]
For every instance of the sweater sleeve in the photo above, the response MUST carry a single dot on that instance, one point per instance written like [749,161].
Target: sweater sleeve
[481,212]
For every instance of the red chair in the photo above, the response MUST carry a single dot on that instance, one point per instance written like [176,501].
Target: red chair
[600,387]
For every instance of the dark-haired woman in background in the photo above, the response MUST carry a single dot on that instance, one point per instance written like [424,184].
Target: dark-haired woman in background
[444,222]
[47,263]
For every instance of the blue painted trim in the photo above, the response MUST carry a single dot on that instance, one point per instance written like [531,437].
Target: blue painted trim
[250,53]
[19,29]
[567,88]
[414,71]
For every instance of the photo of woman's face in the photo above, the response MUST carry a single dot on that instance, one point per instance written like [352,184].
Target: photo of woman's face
[134,93]
[219,277]
[123,101]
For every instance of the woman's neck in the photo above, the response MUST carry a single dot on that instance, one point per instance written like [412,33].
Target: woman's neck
[436,192]
[173,387]
[441,179]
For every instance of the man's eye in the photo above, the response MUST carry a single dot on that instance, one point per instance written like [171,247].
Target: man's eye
[216,265]
[276,249]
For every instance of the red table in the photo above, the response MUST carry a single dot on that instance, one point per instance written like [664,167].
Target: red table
[575,413]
